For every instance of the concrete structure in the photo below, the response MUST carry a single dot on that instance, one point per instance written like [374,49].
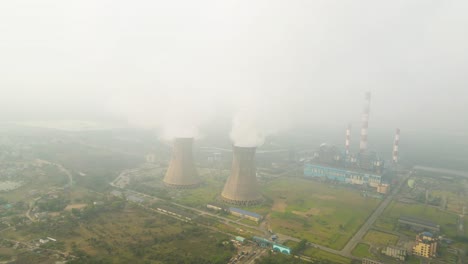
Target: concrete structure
[175,212]
[240,239]
[395,252]
[262,242]
[181,172]
[241,187]
[426,245]
[265,243]
[245,214]
[342,175]
[383,188]
[215,207]
[150,158]
[396,142]
[365,124]
[418,224]
[281,248]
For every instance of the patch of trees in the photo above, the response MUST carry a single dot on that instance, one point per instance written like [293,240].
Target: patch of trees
[53,205]
[55,245]
[279,259]
[93,210]
[59,227]
[300,247]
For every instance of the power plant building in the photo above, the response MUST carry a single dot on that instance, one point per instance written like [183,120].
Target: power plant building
[362,168]
[329,163]
[181,172]
[245,214]
[241,187]
[342,175]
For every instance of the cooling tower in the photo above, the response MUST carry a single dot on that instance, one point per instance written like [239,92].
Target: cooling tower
[181,172]
[241,187]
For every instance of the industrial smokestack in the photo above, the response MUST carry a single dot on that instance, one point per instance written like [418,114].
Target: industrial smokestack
[181,172]
[348,136]
[365,123]
[396,142]
[241,187]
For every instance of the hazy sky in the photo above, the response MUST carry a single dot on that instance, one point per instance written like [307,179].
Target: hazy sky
[293,61]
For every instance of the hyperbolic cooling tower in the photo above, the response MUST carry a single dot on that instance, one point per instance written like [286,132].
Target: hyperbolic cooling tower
[181,172]
[241,187]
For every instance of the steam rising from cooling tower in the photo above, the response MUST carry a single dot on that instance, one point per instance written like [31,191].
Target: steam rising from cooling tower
[181,172]
[365,124]
[241,187]
[245,129]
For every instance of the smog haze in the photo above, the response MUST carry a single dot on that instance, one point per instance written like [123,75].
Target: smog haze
[184,64]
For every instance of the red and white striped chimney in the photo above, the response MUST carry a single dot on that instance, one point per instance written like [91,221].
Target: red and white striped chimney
[396,142]
[348,135]
[365,123]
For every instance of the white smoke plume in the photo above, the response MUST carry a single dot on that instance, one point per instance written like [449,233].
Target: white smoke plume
[246,129]
[173,114]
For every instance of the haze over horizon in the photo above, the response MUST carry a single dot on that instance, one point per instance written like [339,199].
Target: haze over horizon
[289,63]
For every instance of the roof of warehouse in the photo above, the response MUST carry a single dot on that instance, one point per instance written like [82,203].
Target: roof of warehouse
[240,211]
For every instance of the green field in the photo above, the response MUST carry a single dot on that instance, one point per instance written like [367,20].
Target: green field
[318,254]
[123,236]
[208,192]
[389,219]
[321,213]
[466,226]
[377,238]
[362,251]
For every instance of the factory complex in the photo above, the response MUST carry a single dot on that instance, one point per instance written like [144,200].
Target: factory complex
[362,168]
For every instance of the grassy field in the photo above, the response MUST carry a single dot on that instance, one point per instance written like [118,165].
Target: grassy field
[455,202]
[157,235]
[466,225]
[362,251]
[123,236]
[321,213]
[379,239]
[206,193]
[318,254]
[389,219]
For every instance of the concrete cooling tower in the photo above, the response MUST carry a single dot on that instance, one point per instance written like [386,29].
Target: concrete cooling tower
[241,187]
[181,172]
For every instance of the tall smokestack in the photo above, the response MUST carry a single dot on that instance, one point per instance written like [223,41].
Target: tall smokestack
[181,172]
[241,187]
[396,142]
[348,136]
[365,123]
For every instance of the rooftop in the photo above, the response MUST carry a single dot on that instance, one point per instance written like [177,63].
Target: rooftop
[427,234]
[240,211]
[419,221]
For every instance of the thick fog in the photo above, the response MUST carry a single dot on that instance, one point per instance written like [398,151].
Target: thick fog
[268,65]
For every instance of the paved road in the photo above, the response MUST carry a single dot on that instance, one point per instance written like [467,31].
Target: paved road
[371,220]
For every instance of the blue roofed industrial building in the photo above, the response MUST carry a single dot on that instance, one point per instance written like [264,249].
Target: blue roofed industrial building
[245,214]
